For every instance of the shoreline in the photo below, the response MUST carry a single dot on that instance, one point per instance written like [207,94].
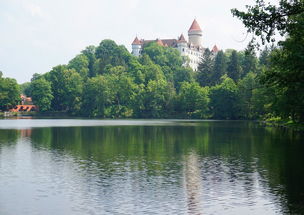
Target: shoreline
[61,115]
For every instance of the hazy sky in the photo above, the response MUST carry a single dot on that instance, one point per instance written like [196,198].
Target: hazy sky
[37,35]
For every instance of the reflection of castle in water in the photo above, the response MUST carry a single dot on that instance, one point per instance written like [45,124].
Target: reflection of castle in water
[26,133]
[193,183]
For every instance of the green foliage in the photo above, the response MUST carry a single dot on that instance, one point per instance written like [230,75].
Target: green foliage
[246,87]
[96,96]
[67,87]
[224,99]
[109,53]
[9,93]
[168,59]
[41,94]
[193,100]
[25,88]
[264,20]
[124,92]
[108,82]
[163,56]
[89,52]
[81,64]
[234,67]
[284,66]
[182,74]
[249,62]
[220,68]
[158,98]
[205,69]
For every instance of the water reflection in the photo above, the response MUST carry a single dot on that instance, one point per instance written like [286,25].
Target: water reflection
[193,183]
[194,168]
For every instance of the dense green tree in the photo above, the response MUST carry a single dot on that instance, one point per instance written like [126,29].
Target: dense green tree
[234,67]
[9,92]
[285,71]
[135,69]
[97,95]
[224,100]
[205,69]
[41,94]
[264,58]
[262,101]
[124,92]
[219,69]
[89,52]
[246,87]
[25,88]
[163,56]
[168,59]
[183,74]
[81,64]
[249,62]
[150,70]
[287,77]
[109,53]
[157,99]
[67,87]
[193,100]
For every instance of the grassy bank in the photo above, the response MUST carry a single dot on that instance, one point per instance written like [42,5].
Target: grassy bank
[278,122]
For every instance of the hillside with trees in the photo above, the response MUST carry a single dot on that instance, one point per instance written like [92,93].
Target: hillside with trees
[108,82]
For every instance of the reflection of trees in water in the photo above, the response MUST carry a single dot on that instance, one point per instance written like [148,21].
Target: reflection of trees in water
[9,136]
[278,154]
[193,183]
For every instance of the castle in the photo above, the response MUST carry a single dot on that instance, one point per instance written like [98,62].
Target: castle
[192,48]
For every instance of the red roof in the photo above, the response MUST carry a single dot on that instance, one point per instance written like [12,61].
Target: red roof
[215,49]
[162,42]
[159,42]
[181,39]
[136,41]
[195,26]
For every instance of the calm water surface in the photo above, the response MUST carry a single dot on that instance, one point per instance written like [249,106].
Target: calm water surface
[149,167]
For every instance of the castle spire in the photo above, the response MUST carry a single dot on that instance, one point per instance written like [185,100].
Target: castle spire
[195,34]
[195,26]
[182,39]
[136,41]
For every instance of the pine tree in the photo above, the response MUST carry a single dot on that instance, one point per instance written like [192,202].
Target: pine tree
[205,69]
[250,62]
[234,68]
[220,67]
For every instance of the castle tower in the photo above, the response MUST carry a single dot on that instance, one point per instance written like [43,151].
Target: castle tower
[195,34]
[136,47]
[182,44]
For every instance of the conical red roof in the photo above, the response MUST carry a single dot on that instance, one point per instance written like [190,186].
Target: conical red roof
[136,41]
[215,49]
[195,26]
[181,39]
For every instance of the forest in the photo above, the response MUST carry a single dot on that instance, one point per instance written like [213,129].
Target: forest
[106,81]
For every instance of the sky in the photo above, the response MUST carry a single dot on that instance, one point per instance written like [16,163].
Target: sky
[37,35]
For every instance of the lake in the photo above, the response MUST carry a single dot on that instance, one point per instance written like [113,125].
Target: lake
[149,167]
